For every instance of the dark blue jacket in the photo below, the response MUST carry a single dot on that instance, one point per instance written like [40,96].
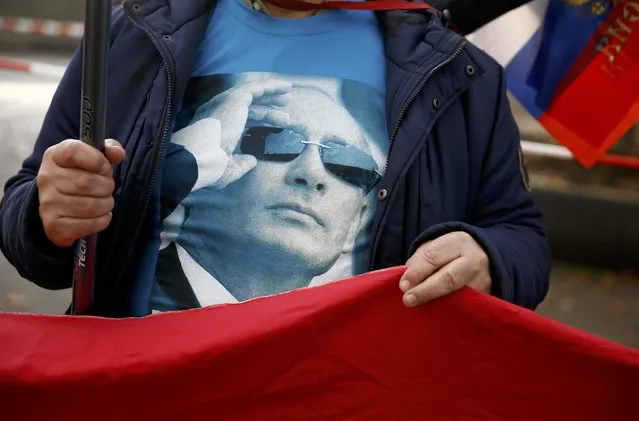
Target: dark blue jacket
[454,162]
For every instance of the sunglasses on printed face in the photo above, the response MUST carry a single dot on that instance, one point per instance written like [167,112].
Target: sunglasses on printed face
[341,159]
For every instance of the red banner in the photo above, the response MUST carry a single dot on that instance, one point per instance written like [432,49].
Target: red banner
[345,351]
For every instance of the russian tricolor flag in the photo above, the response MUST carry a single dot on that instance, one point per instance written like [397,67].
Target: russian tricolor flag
[574,65]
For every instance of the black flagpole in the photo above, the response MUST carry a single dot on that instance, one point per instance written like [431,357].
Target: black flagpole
[92,131]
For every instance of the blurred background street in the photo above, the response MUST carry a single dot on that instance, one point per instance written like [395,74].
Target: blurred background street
[593,215]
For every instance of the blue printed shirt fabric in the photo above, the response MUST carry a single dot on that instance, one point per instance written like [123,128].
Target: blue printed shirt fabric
[270,181]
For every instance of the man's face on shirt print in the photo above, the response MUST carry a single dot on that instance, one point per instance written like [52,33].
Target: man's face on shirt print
[302,197]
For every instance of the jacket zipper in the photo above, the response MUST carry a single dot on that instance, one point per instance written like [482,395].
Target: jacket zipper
[417,90]
[398,121]
[165,133]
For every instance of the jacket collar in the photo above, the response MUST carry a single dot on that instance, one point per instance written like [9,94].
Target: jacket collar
[415,43]
[168,16]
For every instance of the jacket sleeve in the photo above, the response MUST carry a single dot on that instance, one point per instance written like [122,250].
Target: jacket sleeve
[470,15]
[22,237]
[504,218]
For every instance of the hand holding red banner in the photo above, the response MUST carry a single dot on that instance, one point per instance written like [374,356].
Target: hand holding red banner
[349,350]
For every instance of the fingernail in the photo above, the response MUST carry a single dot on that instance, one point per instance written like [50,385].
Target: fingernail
[404,285]
[410,300]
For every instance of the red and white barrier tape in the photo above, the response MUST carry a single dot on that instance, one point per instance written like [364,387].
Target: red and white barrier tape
[34,68]
[42,27]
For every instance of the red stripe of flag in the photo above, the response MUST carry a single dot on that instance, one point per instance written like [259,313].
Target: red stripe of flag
[598,102]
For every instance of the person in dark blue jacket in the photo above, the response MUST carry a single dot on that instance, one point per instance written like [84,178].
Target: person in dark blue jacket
[263,150]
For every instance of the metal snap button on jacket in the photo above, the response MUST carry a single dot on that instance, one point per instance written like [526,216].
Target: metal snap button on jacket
[470,70]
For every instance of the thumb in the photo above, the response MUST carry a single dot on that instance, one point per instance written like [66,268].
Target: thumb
[244,164]
[114,152]
[238,167]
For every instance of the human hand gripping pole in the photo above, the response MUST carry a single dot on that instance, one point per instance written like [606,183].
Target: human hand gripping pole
[92,131]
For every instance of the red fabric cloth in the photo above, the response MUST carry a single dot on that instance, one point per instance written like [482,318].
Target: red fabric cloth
[345,351]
